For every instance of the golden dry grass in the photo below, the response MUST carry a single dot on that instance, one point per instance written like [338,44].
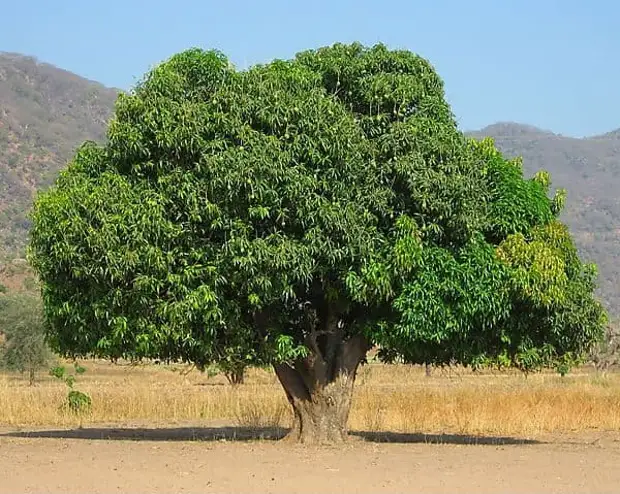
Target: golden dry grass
[387,398]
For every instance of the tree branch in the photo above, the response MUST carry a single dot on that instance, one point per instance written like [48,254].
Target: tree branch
[292,382]
[354,350]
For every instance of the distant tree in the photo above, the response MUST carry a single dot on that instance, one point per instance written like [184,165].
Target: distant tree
[234,372]
[237,355]
[24,348]
[298,213]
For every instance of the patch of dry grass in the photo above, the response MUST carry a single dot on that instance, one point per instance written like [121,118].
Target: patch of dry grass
[387,398]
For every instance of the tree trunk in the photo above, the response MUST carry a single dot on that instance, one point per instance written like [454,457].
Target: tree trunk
[320,390]
[31,376]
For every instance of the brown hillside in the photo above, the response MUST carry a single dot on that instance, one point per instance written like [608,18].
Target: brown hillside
[45,112]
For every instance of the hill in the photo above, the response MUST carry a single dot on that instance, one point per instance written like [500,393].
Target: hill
[589,169]
[45,112]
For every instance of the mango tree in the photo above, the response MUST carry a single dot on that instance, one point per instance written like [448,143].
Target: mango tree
[297,214]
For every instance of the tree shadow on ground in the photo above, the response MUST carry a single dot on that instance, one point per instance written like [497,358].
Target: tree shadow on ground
[461,439]
[255,433]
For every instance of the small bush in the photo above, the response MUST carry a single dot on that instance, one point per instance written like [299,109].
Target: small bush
[76,401]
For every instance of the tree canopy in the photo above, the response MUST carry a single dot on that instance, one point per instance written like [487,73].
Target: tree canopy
[299,212]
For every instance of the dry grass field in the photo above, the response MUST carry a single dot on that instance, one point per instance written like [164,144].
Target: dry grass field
[387,398]
[164,429]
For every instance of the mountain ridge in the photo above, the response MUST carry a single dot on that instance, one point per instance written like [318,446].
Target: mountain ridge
[505,128]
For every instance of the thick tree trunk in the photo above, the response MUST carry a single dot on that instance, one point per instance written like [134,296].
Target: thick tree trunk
[320,389]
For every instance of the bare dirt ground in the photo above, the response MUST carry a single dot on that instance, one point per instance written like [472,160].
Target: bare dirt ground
[220,459]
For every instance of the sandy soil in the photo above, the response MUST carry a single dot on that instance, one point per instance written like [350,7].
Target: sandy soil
[186,459]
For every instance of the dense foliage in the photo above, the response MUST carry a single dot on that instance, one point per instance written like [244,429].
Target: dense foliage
[47,112]
[590,168]
[283,210]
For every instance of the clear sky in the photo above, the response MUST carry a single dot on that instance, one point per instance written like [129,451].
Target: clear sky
[549,63]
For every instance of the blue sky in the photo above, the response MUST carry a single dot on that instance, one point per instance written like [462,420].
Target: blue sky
[549,63]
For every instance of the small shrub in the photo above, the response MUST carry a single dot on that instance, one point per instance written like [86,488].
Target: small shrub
[76,401]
